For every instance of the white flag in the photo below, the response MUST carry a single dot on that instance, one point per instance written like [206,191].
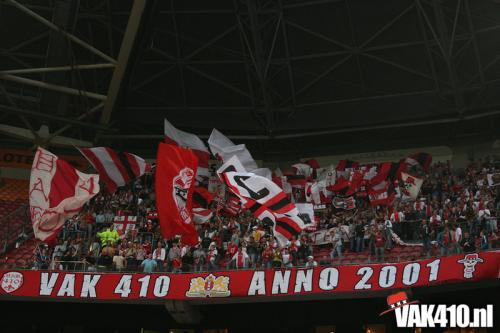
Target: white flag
[411,185]
[223,147]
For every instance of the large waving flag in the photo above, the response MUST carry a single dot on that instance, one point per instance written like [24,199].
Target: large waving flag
[174,183]
[57,191]
[115,168]
[264,199]
[221,146]
[191,141]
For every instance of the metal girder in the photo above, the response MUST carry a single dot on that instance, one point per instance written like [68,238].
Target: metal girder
[284,31]
[430,58]
[55,69]
[179,55]
[447,48]
[123,57]
[474,42]
[53,87]
[386,125]
[90,112]
[219,81]
[52,26]
[319,77]
[259,60]
[41,115]
[367,98]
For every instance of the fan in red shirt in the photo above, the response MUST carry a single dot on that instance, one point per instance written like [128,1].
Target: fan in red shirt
[267,256]
[231,250]
[379,246]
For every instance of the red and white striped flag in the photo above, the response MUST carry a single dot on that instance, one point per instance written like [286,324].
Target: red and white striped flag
[115,168]
[57,191]
[192,141]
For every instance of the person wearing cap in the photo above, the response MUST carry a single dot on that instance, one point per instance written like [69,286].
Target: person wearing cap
[311,262]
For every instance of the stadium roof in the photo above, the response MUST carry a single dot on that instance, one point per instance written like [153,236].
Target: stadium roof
[285,77]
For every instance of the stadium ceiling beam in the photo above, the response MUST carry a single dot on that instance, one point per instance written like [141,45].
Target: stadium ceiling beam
[367,98]
[55,69]
[288,60]
[474,42]
[259,60]
[179,55]
[203,44]
[310,3]
[134,22]
[399,66]
[219,81]
[152,77]
[356,45]
[14,104]
[416,122]
[84,115]
[246,55]
[54,87]
[319,35]
[428,51]
[319,77]
[41,115]
[447,49]
[52,26]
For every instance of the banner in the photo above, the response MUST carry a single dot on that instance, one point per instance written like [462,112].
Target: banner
[174,183]
[464,268]
[57,191]
[324,236]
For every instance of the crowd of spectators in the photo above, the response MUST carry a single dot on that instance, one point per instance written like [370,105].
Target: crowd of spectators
[455,212]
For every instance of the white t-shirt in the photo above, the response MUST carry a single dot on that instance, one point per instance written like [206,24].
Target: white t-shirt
[458,234]
[159,254]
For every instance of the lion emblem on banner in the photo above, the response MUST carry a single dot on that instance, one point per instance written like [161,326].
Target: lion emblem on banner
[210,286]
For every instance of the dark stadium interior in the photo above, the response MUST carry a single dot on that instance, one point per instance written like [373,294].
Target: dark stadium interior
[283,76]
[289,78]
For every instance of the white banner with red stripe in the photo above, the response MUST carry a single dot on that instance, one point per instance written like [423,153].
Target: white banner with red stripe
[57,191]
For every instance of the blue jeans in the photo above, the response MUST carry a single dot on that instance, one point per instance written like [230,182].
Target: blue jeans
[337,251]
[359,244]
